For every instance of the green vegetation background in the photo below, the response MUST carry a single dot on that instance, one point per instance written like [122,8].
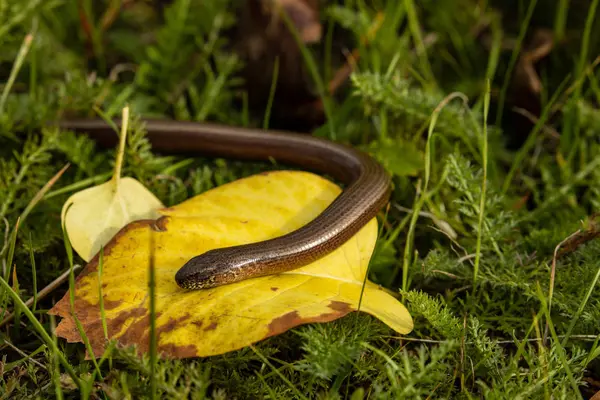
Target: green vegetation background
[495,318]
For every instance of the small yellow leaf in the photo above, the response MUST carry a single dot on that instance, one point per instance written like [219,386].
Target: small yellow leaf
[94,215]
[218,320]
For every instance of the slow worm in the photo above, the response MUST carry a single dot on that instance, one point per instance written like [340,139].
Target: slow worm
[367,190]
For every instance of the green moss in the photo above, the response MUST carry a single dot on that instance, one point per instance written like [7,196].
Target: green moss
[473,338]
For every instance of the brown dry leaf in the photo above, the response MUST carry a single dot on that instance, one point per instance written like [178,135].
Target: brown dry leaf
[541,45]
[590,231]
[271,56]
[304,14]
[226,318]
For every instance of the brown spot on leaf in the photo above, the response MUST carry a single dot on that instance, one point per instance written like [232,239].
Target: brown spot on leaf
[340,306]
[211,327]
[160,225]
[274,289]
[293,319]
[136,329]
[172,351]
[283,323]
[139,331]
[198,323]
[172,324]
[111,304]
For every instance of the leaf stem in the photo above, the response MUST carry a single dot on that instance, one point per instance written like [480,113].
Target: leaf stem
[119,162]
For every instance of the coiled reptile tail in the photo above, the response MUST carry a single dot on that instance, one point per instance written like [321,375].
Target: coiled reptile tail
[367,191]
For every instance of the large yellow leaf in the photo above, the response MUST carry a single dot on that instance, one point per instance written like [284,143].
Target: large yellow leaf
[218,320]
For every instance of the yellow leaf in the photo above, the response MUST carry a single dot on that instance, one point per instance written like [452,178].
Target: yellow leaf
[215,321]
[94,215]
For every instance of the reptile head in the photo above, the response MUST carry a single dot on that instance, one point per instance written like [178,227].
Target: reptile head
[211,269]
